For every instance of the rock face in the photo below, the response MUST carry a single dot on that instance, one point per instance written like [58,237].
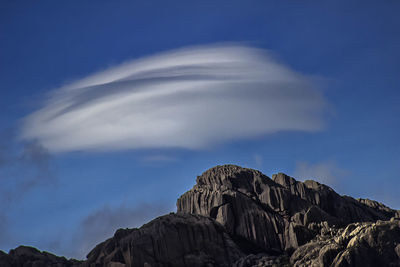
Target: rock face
[359,244]
[275,215]
[239,217]
[170,240]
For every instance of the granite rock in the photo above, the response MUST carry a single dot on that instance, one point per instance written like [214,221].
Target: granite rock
[239,217]
[277,215]
[170,240]
[358,244]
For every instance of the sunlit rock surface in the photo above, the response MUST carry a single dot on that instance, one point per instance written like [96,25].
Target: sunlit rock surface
[277,214]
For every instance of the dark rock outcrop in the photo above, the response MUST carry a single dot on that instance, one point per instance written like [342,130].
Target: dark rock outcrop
[24,256]
[239,217]
[170,240]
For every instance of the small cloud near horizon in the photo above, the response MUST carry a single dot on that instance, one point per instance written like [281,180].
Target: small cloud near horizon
[191,98]
[326,172]
[258,160]
[102,223]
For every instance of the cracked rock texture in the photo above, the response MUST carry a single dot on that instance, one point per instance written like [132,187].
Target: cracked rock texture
[239,217]
[359,244]
[278,214]
[170,240]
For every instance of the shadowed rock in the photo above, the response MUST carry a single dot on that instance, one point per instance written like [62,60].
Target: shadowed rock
[24,256]
[170,240]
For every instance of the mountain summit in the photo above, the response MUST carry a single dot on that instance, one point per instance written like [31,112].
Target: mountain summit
[240,217]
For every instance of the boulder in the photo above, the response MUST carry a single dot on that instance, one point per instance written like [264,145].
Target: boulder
[359,244]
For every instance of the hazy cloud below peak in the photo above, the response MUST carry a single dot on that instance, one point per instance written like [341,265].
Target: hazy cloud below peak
[326,172]
[188,98]
[102,224]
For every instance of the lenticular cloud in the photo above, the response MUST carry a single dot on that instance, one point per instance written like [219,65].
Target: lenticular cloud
[189,98]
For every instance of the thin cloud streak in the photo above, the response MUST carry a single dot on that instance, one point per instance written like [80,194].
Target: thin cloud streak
[189,98]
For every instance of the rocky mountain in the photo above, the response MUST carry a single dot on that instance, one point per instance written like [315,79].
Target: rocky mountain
[239,217]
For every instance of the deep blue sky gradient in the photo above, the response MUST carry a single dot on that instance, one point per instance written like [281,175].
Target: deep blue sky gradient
[351,47]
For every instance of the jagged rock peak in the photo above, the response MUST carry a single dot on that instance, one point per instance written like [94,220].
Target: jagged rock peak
[229,175]
[278,214]
[237,177]
[226,169]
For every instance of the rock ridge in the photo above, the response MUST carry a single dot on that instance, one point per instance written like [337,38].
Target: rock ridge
[277,214]
[239,217]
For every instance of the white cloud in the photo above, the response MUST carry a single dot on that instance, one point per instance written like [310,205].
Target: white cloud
[189,98]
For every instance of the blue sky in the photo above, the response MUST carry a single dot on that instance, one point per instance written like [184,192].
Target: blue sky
[333,97]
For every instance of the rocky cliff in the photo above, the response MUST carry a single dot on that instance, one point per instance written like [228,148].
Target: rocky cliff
[277,214]
[235,216]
